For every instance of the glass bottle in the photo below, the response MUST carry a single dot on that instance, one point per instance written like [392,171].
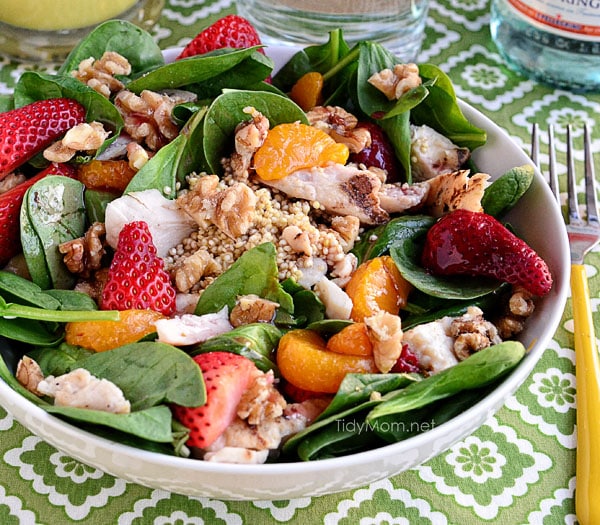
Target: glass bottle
[557,43]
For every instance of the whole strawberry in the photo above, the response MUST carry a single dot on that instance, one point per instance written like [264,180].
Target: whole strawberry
[10,206]
[136,277]
[226,377]
[473,243]
[27,130]
[230,31]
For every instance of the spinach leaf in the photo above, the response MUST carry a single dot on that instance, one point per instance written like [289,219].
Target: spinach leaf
[202,73]
[476,371]
[377,241]
[229,109]
[396,427]
[255,272]
[150,373]
[308,308]
[256,341]
[58,360]
[440,110]
[73,300]
[15,288]
[121,36]
[153,423]
[160,172]
[339,438]
[55,211]
[353,396]
[502,194]
[29,332]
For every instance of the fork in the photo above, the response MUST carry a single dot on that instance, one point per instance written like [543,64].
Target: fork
[583,236]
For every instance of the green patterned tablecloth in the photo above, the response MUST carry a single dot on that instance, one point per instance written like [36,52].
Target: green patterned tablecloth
[517,468]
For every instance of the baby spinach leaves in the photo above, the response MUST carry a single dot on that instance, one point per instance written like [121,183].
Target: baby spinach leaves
[254,272]
[256,341]
[207,75]
[502,194]
[373,409]
[52,213]
[120,36]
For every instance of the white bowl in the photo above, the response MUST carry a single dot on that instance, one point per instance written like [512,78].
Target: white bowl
[537,218]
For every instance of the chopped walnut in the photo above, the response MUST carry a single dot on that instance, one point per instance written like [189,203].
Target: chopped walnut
[83,137]
[10,181]
[297,239]
[252,309]
[147,116]
[249,136]
[29,374]
[385,332]
[394,83]
[189,270]
[261,401]
[94,285]
[83,256]
[100,74]
[472,333]
[348,227]
[340,125]
[520,306]
[137,156]
[230,208]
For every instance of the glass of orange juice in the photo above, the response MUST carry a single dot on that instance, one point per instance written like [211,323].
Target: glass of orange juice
[46,30]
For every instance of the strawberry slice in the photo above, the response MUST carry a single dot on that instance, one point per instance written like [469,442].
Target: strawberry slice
[10,206]
[136,277]
[473,243]
[226,377]
[27,130]
[230,31]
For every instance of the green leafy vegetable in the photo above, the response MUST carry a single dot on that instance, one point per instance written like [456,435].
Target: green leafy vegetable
[255,272]
[256,341]
[476,371]
[150,373]
[502,194]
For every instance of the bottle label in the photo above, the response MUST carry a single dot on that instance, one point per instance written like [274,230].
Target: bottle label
[574,19]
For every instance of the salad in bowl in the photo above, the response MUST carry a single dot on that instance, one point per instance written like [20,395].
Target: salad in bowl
[211,261]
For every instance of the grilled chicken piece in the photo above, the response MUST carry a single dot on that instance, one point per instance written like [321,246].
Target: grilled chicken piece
[432,153]
[340,189]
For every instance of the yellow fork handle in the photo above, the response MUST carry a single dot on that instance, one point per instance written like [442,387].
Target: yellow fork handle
[587,369]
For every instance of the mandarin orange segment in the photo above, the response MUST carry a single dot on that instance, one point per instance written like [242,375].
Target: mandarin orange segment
[100,336]
[295,146]
[352,340]
[377,285]
[307,91]
[106,175]
[304,361]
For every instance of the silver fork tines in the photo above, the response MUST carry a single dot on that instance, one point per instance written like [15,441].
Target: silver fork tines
[583,234]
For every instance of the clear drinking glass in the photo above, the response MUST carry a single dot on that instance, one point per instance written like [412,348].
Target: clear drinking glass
[399,25]
[46,30]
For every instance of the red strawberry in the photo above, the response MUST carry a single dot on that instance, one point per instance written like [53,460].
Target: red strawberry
[136,277]
[380,154]
[27,130]
[230,31]
[471,243]
[10,206]
[226,376]
[407,362]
